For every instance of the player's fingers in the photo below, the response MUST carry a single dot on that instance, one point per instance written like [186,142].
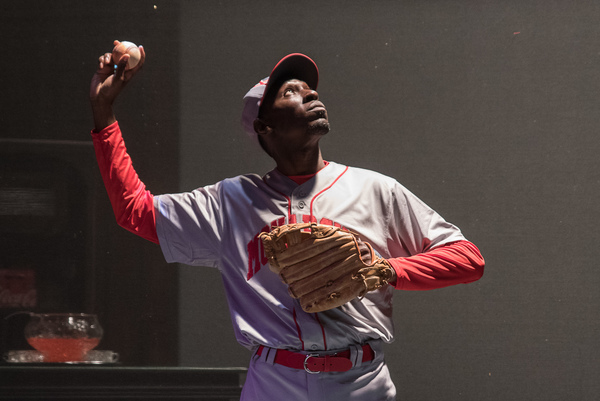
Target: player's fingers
[121,66]
[104,60]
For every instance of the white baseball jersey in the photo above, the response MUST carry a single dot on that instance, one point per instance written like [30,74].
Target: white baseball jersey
[218,226]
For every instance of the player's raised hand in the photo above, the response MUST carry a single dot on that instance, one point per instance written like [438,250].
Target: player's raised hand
[108,82]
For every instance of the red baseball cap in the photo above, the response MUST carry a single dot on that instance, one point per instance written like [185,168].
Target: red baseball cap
[295,65]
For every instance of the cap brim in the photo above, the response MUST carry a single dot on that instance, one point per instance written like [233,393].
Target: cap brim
[293,66]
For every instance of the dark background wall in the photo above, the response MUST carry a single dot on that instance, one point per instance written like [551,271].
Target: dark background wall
[51,51]
[486,110]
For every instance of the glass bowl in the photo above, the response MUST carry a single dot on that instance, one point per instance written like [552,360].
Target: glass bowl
[63,337]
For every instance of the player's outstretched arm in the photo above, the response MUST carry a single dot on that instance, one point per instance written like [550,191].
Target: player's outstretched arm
[107,83]
[131,202]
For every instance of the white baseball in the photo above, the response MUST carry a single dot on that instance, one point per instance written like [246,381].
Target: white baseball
[126,48]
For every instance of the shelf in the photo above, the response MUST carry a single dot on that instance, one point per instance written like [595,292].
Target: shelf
[93,382]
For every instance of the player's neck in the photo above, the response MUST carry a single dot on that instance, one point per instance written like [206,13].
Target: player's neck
[300,165]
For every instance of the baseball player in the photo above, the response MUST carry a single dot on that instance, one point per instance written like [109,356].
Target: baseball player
[335,354]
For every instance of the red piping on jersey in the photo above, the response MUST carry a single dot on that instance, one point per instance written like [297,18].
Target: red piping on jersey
[298,328]
[325,189]
[322,331]
[311,219]
[289,201]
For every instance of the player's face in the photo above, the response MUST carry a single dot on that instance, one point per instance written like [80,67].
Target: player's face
[296,110]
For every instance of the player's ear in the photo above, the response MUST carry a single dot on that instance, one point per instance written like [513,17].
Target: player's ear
[261,127]
[262,130]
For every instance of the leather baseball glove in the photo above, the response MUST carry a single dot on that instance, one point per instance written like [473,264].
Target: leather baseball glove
[323,266]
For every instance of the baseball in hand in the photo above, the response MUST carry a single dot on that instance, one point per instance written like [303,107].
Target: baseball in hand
[123,48]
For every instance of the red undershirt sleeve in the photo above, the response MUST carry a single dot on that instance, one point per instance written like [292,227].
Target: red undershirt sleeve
[455,263]
[132,204]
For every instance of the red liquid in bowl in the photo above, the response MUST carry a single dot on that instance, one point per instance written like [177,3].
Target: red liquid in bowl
[63,349]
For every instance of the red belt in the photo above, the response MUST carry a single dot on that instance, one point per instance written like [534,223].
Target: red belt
[315,363]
